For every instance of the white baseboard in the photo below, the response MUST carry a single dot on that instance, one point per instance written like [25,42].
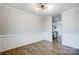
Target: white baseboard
[17,40]
[71,40]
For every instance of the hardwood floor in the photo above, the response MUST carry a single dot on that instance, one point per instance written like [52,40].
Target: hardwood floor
[43,47]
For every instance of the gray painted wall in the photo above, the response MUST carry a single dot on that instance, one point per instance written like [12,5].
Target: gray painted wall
[18,28]
[70,28]
[0,20]
[15,22]
[48,28]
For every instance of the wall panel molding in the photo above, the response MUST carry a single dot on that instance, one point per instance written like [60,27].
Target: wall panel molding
[17,40]
[71,40]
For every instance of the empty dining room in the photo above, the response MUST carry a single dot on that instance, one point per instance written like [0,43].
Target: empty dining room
[39,28]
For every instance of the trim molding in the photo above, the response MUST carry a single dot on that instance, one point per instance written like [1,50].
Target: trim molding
[17,10]
[17,40]
[71,40]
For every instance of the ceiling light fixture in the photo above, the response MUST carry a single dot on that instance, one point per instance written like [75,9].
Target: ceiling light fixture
[41,7]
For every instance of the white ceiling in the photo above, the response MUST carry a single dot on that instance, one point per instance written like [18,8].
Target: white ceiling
[57,7]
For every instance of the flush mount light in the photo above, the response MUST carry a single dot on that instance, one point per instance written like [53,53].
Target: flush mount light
[42,7]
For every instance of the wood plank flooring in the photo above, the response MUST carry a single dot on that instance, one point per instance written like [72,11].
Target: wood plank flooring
[43,47]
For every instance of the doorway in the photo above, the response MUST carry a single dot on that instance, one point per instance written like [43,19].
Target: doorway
[57,31]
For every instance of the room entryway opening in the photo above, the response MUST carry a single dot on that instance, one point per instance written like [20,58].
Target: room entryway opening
[57,31]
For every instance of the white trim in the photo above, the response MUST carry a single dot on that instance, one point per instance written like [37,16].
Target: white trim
[12,35]
[71,40]
[71,10]
[17,40]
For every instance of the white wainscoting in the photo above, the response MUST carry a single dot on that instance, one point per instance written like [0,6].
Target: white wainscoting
[0,44]
[48,36]
[17,40]
[71,40]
